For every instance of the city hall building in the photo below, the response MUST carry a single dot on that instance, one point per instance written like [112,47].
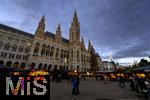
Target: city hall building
[46,50]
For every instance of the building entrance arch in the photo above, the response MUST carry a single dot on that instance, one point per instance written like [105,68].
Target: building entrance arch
[16,64]
[8,64]
[22,66]
[1,63]
[45,66]
[32,66]
[40,66]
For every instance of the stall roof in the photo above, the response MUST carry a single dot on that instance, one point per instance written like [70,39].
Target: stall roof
[143,68]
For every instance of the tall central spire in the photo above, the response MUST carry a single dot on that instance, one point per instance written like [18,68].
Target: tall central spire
[74,35]
[75,18]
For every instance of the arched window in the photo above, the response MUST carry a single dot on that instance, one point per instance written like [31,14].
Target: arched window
[82,58]
[9,55]
[49,67]
[36,49]
[16,65]
[7,46]
[14,48]
[5,55]
[27,50]
[57,52]
[20,49]
[13,56]
[55,67]
[52,51]
[8,64]
[43,49]
[32,66]
[61,53]
[22,66]
[1,44]
[77,55]
[48,50]
[1,63]
[40,66]
[64,54]
[45,67]
[67,54]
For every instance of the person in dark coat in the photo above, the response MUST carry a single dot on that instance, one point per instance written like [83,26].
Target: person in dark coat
[132,83]
[74,86]
[122,80]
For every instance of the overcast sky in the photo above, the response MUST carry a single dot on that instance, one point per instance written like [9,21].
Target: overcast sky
[117,27]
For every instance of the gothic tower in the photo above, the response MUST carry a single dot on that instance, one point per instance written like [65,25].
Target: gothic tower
[58,34]
[74,35]
[75,44]
[82,45]
[41,28]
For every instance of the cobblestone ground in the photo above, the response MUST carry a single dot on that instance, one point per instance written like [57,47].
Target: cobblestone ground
[91,89]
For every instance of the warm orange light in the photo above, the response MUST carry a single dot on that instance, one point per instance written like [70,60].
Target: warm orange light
[35,73]
[120,75]
[113,76]
[141,75]
[16,73]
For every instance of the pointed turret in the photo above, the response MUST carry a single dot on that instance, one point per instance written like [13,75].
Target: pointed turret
[41,27]
[58,31]
[82,44]
[82,40]
[43,19]
[58,34]
[92,48]
[89,46]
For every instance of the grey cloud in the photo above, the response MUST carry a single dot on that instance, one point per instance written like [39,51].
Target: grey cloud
[139,49]
[122,24]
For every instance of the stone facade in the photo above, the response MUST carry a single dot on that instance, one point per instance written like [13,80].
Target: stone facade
[44,50]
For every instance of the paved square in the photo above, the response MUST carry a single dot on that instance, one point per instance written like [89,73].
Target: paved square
[92,90]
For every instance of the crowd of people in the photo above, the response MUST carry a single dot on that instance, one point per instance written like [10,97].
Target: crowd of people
[141,85]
